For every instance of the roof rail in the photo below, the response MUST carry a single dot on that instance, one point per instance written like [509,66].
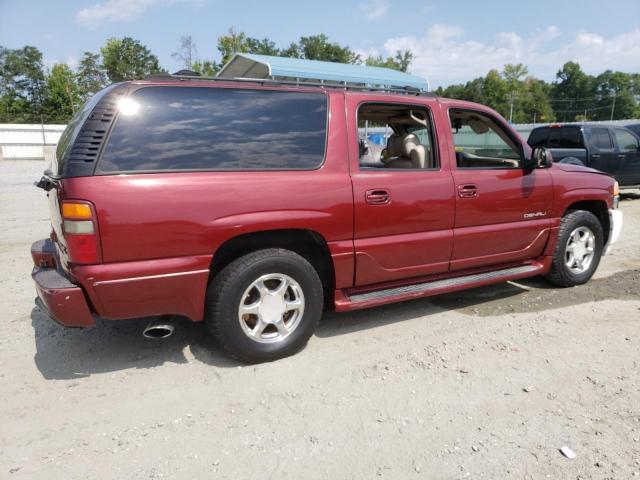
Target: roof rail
[297,83]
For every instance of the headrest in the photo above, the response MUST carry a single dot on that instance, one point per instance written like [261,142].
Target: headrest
[394,147]
[409,143]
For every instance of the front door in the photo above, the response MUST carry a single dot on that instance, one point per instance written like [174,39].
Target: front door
[403,199]
[502,211]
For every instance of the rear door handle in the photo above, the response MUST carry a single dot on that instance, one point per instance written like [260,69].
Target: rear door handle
[468,190]
[595,155]
[622,156]
[378,196]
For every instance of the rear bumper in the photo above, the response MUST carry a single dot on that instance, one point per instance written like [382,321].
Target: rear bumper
[615,227]
[62,300]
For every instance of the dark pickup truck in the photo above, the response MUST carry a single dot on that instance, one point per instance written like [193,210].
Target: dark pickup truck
[610,149]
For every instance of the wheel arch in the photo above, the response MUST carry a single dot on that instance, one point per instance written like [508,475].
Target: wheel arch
[598,208]
[309,244]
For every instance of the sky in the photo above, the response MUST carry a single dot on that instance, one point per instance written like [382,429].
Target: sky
[453,41]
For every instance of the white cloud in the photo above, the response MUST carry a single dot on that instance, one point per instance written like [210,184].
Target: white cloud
[375,9]
[120,10]
[445,55]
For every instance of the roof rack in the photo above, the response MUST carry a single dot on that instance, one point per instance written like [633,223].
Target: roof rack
[268,70]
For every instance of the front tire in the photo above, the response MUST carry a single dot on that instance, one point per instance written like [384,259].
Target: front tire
[578,251]
[264,305]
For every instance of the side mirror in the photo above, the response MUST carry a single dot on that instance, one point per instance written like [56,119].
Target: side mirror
[542,157]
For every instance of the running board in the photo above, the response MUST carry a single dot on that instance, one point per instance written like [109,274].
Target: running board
[425,289]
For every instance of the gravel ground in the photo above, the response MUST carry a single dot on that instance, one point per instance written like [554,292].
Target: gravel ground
[488,383]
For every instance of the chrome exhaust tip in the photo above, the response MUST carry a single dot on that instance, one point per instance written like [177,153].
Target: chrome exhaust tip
[158,329]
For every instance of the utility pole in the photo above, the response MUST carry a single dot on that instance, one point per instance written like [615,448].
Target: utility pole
[511,97]
[613,105]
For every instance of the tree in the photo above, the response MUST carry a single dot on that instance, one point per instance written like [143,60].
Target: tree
[205,67]
[22,85]
[230,44]
[534,105]
[127,59]
[90,77]
[615,96]
[514,74]
[400,61]
[63,97]
[318,47]
[262,47]
[187,53]
[572,92]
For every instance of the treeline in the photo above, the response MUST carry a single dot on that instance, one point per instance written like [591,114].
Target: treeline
[31,93]
[573,96]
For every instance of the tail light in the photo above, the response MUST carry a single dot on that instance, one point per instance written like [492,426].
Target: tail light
[81,232]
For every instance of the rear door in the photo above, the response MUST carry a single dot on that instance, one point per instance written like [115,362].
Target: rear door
[602,153]
[404,211]
[502,211]
[629,157]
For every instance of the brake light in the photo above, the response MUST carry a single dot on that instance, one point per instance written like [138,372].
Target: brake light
[80,232]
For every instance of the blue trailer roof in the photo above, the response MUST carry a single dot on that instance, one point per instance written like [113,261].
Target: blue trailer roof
[246,65]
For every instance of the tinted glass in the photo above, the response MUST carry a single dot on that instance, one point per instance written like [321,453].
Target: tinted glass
[626,141]
[73,128]
[538,137]
[600,138]
[571,138]
[200,128]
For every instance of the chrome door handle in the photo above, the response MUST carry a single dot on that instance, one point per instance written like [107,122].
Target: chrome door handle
[378,196]
[468,190]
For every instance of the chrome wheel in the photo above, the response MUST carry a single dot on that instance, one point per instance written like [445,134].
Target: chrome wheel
[271,308]
[580,250]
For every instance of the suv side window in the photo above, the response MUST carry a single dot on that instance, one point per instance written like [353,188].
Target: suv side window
[599,138]
[204,128]
[626,141]
[395,136]
[480,142]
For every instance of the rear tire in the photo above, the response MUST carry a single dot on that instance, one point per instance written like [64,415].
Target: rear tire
[264,305]
[578,250]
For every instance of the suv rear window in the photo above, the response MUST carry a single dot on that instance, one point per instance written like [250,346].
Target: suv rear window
[556,137]
[204,128]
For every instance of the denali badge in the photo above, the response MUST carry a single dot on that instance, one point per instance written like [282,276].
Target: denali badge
[535,214]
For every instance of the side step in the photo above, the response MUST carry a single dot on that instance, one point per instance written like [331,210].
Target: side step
[425,289]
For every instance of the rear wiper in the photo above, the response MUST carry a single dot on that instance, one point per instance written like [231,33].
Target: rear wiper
[46,182]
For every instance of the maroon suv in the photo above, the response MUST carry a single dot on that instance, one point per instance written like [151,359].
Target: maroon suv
[254,206]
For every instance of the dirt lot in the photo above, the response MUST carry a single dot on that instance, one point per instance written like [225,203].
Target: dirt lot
[489,383]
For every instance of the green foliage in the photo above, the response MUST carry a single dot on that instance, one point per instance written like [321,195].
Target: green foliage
[29,95]
[63,98]
[22,85]
[574,96]
[91,77]
[205,67]
[400,61]
[318,47]
[127,59]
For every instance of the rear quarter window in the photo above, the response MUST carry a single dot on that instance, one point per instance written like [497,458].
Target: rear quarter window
[203,128]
